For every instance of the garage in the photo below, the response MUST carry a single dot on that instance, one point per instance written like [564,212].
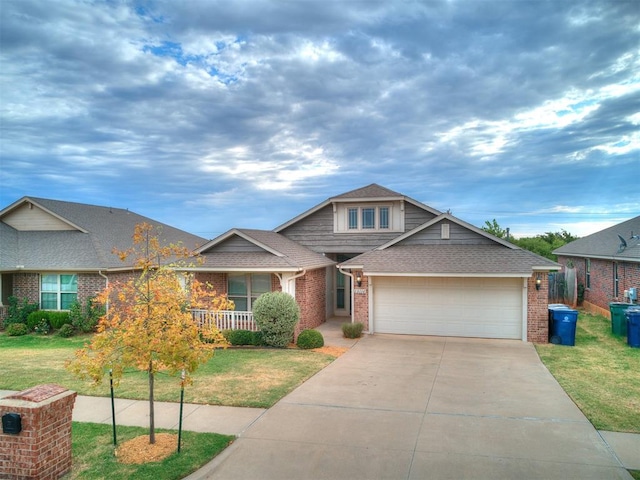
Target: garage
[448,306]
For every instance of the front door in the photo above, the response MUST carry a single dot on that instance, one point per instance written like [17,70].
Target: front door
[342,305]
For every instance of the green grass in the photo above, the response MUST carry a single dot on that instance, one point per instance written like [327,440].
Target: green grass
[601,373]
[93,454]
[233,377]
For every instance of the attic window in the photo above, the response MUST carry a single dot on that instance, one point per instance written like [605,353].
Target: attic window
[444,231]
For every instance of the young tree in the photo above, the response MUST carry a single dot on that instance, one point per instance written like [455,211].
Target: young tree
[494,228]
[148,324]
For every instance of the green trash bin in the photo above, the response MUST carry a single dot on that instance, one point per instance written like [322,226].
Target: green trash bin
[618,318]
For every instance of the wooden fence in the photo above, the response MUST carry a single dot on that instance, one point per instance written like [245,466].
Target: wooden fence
[557,287]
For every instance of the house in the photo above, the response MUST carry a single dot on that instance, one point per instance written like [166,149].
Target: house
[370,255]
[607,264]
[378,257]
[54,252]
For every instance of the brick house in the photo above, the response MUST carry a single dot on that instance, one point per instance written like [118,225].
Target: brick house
[369,255]
[607,263]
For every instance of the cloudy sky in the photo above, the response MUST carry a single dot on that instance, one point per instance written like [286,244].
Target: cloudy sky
[209,115]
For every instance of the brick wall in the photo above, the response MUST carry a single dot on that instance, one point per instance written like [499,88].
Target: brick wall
[537,309]
[42,450]
[27,285]
[361,303]
[311,298]
[89,285]
[601,290]
[218,281]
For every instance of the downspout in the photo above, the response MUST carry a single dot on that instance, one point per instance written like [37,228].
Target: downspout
[353,285]
[282,281]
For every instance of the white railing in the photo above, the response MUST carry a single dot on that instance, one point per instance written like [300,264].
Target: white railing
[225,319]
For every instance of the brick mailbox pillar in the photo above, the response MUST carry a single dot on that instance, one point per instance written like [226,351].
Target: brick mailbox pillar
[35,440]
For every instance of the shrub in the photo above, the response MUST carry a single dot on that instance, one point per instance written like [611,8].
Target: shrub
[239,337]
[310,339]
[257,339]
[276,314]
[18,311]
[85,318]
[17,329]
[66,331]
[352,330]
[35,318]
[42,327]
[58,319]
[54,320]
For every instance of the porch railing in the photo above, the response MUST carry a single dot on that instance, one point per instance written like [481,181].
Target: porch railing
[225,319]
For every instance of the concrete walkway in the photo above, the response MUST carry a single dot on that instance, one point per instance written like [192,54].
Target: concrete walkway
[403,407]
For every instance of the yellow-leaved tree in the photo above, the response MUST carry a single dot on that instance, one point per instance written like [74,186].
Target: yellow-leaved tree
[148,323]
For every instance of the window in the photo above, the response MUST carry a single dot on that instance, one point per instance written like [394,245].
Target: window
[353,219]
[587,274]
[616,280]
[58,292]
[368,218]
[384,218]
[244,289]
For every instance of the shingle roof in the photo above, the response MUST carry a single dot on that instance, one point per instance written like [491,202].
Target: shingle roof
[279,253]
[370,191]
[606,244]
[105,229]
[443,260]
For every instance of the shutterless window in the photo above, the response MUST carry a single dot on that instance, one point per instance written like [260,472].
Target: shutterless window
[587,270]
[58,292]
[616,280]
[383,215]
[368,218]
[244,289]
[353,219]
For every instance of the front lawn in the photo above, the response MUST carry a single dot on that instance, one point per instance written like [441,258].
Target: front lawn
[233,377]
[601,373]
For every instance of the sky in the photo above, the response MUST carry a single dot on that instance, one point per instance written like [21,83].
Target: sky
[209,115]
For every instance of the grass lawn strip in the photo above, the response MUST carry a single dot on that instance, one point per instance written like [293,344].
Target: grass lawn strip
[601,373]
[93,453]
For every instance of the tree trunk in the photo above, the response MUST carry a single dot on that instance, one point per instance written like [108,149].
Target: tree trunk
[152,427]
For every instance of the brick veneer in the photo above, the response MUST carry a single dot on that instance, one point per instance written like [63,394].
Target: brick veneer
[27,285]
[311,297]
[361,303]
[42,450]
[601,290]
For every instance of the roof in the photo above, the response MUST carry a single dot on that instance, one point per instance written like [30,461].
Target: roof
[370,193]
[274,252]
[451,260]
[93,231]
[608,243]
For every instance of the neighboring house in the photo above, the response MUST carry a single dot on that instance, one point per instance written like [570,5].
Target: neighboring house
[370,255]
[404,268]
[607,263]
[54,252]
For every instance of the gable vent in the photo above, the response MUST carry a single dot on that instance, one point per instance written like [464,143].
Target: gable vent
[444,231]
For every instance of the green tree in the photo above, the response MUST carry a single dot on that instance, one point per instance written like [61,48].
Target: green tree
[494,228]
[148,324]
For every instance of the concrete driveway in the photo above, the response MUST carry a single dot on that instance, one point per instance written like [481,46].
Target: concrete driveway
[404,407]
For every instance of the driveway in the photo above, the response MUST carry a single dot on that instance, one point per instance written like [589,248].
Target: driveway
[405,407]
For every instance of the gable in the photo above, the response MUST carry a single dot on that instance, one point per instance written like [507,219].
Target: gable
[31,218]
[446,232]
[235,243]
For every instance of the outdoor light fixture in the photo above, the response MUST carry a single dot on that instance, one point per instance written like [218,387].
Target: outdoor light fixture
[538,281]
[359,279]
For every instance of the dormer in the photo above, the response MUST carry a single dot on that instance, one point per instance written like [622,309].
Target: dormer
[375,216]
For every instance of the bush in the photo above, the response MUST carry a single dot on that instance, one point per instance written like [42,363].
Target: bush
[17,329]
[18,311]
[239,337]
[85,318]
[42,327]
[352,330]
[54,320]
[310,339]
[276,314]
[66,331]
[257,339]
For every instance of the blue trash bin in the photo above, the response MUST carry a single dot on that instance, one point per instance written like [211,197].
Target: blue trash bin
[552,307]
[564,326]
[633,326]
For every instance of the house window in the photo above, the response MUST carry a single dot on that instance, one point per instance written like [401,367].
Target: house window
[353,219]
[615,280]
[587,274]
[58,292]
[368,218]
[244,289]
[383,213]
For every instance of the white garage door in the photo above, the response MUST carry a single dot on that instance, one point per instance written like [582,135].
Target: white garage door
[458,307]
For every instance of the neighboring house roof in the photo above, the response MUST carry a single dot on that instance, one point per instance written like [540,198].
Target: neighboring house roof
[620,242]
[370,193]
[476,253]
[258,250]
[52,235]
